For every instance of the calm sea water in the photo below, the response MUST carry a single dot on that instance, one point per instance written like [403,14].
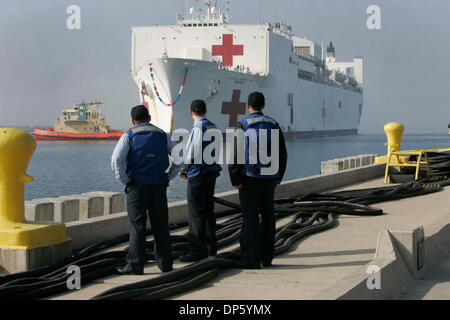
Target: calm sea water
[66,168]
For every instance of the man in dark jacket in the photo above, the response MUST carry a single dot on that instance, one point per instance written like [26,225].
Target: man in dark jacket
[140,161]
[256,186]
[200,188]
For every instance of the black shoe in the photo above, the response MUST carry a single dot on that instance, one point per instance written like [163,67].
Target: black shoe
[212,251]
[244,265]
[164,268]
[128,269]
[267,264]
[191,257]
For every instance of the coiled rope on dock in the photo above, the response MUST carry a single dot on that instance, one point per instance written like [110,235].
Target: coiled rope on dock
[439,163]
[308,214]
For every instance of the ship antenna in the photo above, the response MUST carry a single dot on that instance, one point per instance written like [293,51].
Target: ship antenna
[208,8]
[323,49]
[228,11]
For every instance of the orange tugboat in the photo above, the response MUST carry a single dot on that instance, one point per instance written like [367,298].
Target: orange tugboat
[80,122]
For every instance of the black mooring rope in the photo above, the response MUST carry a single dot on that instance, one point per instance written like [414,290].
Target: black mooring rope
[308,214]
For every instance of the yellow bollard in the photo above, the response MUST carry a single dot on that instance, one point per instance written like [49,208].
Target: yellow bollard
[16,149]
[394,133]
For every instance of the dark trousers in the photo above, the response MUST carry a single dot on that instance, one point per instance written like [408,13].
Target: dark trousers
[202,220]
[257,238]
[151,199]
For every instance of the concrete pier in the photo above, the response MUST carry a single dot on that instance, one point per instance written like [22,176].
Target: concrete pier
[75,207]
[433,285]
[404,244]
[336,165]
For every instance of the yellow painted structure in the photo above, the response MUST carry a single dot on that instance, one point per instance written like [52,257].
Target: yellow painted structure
[16,149]
[398,163]
[397,158]
[394,133]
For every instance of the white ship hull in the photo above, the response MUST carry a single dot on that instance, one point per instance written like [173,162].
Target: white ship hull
[318,109]
[223,63]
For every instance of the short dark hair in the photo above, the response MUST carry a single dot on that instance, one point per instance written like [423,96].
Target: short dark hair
[140,113]
[256,100]
[198,107]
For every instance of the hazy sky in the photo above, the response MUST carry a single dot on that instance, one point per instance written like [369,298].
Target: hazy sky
[44,66]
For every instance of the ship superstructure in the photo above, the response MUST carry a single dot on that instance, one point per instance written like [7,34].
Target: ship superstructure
[203,56]
[83,118]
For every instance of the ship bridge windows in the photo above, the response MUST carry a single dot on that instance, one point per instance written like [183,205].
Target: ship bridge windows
[300,50]
[200,24]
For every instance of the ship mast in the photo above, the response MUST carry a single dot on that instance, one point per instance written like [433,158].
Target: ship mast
[208,8]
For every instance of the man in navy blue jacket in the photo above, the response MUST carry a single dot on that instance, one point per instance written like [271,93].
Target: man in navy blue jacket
[140,161]
[200,188]
[257,188]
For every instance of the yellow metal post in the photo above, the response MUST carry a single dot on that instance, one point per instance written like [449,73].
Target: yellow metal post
[416,177]
[405,163]
[428,164]
[16,149]
[394,133]
[386,173]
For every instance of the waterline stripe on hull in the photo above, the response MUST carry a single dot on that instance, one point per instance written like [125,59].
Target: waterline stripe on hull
[318,134]
[63,138]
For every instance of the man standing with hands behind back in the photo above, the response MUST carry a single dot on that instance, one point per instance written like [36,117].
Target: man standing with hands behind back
[256,189]
[140,161]
[200,188]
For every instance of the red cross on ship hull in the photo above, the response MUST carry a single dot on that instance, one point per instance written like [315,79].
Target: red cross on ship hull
[227,50]
[234,108]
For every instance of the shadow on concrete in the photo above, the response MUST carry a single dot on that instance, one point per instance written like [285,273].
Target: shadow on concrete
[3,271]
[227,273]
[437,275]
[327,254]
[314,266]
[222,275]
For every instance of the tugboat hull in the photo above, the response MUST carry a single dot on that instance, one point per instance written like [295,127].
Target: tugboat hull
[50,134]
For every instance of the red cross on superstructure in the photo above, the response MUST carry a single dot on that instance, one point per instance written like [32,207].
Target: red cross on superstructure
[227,50]
[234,108]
